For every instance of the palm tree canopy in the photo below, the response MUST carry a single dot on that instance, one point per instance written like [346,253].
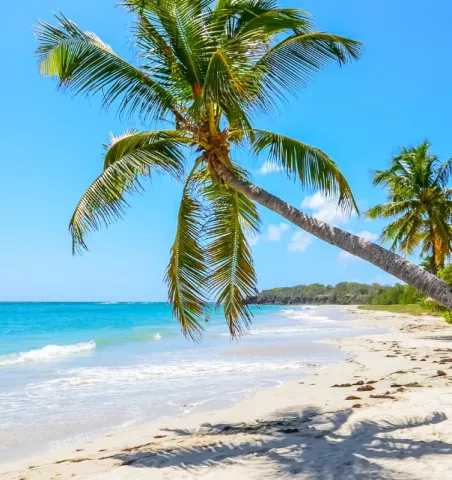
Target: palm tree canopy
[419,203]
[210,69]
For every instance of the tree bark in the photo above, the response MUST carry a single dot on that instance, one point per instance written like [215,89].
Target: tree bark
[388,261]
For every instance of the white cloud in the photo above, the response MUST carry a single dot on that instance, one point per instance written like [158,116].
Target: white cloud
[274,232]
[300,242]
[371,237]
[326,209]
[253,240]
[269,167]
[363,234]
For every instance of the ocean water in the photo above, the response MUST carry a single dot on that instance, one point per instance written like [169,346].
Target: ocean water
[73,371]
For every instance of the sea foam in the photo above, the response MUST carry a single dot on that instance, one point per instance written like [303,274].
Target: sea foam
[49,352]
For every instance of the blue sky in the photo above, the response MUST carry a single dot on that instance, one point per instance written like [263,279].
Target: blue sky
[397,94]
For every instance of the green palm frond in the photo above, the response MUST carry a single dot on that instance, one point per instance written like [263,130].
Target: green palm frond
[183,25]
[187,273]
[412,236]
[127,159]
[229,15]
[232,277]
[312,167]
[404,233]
[140,143]
[231,80]
[443,174]
[291,63]
[387,210]
[85,64]
[275,20]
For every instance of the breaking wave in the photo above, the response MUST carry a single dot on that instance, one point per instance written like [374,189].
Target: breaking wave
[49,352]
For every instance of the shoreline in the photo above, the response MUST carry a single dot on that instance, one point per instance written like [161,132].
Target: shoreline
[305,428]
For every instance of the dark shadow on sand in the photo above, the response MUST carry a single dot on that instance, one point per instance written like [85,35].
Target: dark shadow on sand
[295,442]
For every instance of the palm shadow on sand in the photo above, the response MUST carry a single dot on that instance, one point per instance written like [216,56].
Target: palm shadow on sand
[308,442]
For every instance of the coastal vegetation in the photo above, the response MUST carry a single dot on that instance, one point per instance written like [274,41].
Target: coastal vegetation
[209,70]
[344,293]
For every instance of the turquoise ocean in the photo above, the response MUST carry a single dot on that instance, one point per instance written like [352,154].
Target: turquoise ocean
[73,371]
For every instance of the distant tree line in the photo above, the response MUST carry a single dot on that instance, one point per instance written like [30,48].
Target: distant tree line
[344,293]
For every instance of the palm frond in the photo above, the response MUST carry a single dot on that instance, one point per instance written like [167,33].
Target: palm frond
[85,64]
[275,20]
[232,15]
[390,209]
[405,233]
[228,81]
[127,159]
[291,63]
[183,26]
[187,273]
[158,59]
[443,174]
[233,277]
[312,167]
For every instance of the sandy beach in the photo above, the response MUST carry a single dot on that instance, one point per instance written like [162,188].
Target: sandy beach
[383,414]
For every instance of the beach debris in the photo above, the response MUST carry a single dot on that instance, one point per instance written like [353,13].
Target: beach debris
[388,397]
[440,373]
[353,397]
[160,436]
[391,356]
[341,385]
[401,389]
[408,385]
[289,430]
[370,382]
[446,360]
[361,382]
[365,388]
[357,405]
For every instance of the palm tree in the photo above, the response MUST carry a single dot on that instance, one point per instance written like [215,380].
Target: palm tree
[209,69]
[419,203]
[427,264]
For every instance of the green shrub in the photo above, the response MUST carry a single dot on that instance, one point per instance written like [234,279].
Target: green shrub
[445,274]
[448,317]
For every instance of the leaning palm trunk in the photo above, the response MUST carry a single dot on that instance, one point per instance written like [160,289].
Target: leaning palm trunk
[394,264]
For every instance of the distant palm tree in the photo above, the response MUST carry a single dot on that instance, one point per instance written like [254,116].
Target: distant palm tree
[419,203]
[428,265]
[210,69]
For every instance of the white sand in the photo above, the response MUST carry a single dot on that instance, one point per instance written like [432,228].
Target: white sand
[303,430]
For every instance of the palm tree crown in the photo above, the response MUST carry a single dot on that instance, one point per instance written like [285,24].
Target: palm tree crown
[209,68]
[419,203]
